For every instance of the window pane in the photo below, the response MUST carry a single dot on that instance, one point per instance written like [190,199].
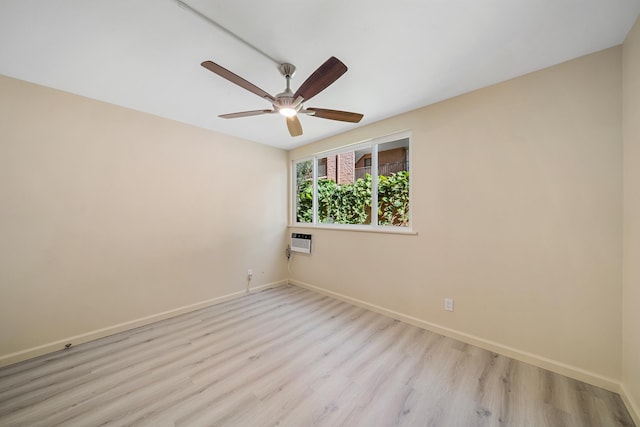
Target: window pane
[393,183]
[304,191]
[344,189]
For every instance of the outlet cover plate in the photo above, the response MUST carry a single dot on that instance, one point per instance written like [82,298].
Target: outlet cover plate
[448,304]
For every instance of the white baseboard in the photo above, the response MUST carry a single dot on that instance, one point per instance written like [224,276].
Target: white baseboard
[523,356]
[632,407]
[29,353]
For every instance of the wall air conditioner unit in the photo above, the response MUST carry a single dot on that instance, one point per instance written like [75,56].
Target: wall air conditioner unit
[301,243]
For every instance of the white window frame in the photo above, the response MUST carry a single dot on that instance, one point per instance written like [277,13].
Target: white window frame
[373,144]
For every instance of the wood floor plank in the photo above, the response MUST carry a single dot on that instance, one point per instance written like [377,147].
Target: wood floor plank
[291,357]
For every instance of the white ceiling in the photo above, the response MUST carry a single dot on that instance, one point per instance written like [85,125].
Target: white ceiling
[402,54]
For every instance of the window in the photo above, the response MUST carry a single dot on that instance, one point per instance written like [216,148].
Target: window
[304,191]
[364,185]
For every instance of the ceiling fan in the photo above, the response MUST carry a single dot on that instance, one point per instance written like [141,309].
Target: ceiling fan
[287,103]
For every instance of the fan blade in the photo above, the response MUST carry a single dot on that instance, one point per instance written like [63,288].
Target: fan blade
[246,114]
[343,116]
[234,78]
[295,128]
[322,78]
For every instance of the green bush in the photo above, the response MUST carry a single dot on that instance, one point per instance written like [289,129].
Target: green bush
[393,199]
[351,203]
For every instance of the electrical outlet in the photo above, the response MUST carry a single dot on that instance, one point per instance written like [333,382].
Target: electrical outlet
[448,304]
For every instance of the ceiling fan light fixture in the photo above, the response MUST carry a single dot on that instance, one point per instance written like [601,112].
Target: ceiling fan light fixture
[285,104]
[287,111]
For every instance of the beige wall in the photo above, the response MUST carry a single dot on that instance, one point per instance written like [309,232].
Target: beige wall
[631,271]
[108,216]
[517,199]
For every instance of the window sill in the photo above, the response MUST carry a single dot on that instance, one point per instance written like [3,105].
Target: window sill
[337,227]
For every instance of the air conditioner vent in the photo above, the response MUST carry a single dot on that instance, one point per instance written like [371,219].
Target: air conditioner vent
[301,243]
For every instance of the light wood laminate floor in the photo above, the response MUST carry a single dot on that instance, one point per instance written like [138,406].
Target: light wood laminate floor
[291,357]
